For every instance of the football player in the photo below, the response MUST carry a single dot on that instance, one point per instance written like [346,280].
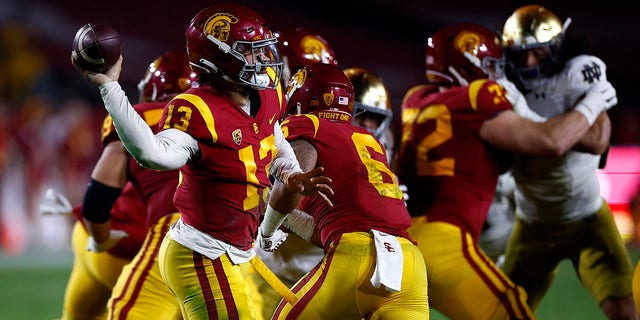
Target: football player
[115,223]
[298,47]
[225,138]
[94,274]
[371,269]
[453,130]
[561,195]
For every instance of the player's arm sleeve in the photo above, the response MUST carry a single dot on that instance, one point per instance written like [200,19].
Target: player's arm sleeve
[285,162]
[168,150]
[301,224]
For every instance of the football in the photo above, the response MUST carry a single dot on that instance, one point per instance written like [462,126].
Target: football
[96,47]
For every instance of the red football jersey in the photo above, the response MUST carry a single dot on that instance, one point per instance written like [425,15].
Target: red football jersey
[222,193]
[450,171]
[128,214]
[156,187]
[367,195]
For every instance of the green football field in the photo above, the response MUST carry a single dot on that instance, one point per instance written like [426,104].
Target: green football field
[32,288]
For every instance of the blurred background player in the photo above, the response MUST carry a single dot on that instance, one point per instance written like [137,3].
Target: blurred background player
[372,106]
[143,208]
[224,135]
[560,212]
[94,274]
[298,47]
[500,219]
[371,268]
[453,129]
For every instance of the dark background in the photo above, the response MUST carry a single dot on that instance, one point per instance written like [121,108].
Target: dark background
[386,37]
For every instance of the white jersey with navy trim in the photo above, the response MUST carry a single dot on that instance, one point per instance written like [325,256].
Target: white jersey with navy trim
[560,189]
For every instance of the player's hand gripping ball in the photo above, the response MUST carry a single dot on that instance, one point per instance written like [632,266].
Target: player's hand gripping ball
[96,47]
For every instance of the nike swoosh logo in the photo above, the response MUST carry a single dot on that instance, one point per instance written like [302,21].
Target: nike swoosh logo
[271,119]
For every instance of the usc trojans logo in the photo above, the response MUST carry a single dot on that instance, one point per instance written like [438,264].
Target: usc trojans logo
[467,41]
[296,82]
[314,50]
[219,25]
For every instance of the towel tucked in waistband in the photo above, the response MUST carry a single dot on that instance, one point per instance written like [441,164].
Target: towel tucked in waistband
[389,262]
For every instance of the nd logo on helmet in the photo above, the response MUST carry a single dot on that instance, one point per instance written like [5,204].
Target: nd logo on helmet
[219,25]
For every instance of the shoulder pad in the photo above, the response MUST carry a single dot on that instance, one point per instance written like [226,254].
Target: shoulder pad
[584,70]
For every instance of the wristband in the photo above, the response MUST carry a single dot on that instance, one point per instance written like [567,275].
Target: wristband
[587,113]
[272,221]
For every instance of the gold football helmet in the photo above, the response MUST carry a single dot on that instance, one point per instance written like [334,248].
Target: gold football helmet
[532,27]
[372,99]
[372,108]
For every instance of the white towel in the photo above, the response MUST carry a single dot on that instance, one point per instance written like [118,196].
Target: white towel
[389,262]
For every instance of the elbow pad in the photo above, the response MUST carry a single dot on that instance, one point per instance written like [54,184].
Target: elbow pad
[98,200]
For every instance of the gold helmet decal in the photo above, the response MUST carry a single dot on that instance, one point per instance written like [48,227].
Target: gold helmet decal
[468,41]
[219,25]
[184,83]
[314,50]
[296,82]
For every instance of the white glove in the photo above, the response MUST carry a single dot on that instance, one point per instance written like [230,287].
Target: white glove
[114,237]
[270,244]
[54,203]
[600,97]
[518,101]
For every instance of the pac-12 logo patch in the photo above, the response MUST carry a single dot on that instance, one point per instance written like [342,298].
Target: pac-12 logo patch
[237,136]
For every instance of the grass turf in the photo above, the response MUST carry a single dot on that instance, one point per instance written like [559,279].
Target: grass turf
[32,288]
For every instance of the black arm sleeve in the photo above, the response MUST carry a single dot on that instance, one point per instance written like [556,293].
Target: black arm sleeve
[98,200]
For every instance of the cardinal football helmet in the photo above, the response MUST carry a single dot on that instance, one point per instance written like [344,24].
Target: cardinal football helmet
[460,53]
[166,77]
[532,27]
[233,41]
[372,98]
[321,89]
[299,46]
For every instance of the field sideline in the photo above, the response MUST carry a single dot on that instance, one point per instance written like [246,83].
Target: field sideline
[33,289]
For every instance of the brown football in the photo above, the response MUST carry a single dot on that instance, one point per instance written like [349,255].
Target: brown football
[96,47]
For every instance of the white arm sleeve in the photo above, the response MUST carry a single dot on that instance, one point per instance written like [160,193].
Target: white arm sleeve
[272,221]
[300,223]
[285,162]
[168,150]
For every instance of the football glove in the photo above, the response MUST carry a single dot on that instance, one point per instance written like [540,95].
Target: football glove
[54,203]
[271,243]
[600,97]
[114,237]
